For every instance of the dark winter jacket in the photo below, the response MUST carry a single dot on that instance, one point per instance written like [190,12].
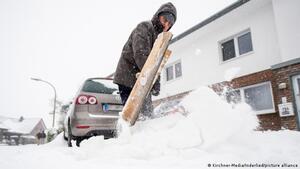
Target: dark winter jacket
[138,47]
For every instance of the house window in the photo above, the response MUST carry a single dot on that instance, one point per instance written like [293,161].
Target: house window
[169,72]
[236,46]
[173,71]
[245,43]
[258,96]
[178,72]
[228,50]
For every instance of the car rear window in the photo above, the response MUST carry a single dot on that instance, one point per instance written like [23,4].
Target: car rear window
[100,86]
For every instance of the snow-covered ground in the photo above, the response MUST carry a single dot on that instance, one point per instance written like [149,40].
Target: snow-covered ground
[213,135]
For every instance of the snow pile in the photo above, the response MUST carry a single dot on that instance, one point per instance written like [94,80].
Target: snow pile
[169,107]
[210,121]
[215,119]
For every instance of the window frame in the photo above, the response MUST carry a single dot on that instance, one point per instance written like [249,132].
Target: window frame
[166,71]
[260,112]
[173,64]
[236,46]
[266,111]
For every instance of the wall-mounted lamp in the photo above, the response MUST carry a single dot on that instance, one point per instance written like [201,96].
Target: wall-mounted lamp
[282,86]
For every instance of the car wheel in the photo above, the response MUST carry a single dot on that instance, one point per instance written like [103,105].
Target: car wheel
[78,141]
[114,134]
[69,136]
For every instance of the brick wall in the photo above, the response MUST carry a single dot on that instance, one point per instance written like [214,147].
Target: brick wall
[283,75]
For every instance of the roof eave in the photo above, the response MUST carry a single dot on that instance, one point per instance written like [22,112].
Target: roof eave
[210,19]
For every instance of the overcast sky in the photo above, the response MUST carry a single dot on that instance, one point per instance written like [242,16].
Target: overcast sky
[67,41]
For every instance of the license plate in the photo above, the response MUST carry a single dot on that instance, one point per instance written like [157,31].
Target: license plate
[112,107]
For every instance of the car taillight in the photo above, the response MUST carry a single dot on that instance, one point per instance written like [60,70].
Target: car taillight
[85,99]
[82,100]
[92,100]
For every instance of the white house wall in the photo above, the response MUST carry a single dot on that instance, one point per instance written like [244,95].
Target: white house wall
[287,13]
[199,51]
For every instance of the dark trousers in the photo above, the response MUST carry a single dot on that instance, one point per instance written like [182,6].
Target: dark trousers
[147,107]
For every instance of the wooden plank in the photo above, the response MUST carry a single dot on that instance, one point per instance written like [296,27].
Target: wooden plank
[166,56]
[147,77]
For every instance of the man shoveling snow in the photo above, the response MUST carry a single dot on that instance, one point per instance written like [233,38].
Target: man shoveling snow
[136,51]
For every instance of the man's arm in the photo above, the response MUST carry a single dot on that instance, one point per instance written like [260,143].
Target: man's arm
[141,44]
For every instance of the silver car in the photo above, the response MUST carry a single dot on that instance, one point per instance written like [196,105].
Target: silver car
[94,111]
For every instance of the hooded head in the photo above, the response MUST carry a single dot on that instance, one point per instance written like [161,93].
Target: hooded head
[167,10]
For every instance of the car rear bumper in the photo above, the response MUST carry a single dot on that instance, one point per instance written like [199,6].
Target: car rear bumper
[98,125]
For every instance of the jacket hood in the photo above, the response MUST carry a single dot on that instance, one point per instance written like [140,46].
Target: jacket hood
[167,7]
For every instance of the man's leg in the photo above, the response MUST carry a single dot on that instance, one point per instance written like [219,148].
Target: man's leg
[124,93]
[147,107]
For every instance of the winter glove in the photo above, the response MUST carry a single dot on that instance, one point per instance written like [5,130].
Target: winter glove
[155,92]
[156,87]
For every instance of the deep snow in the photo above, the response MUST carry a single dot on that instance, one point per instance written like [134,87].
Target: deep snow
[212,133]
